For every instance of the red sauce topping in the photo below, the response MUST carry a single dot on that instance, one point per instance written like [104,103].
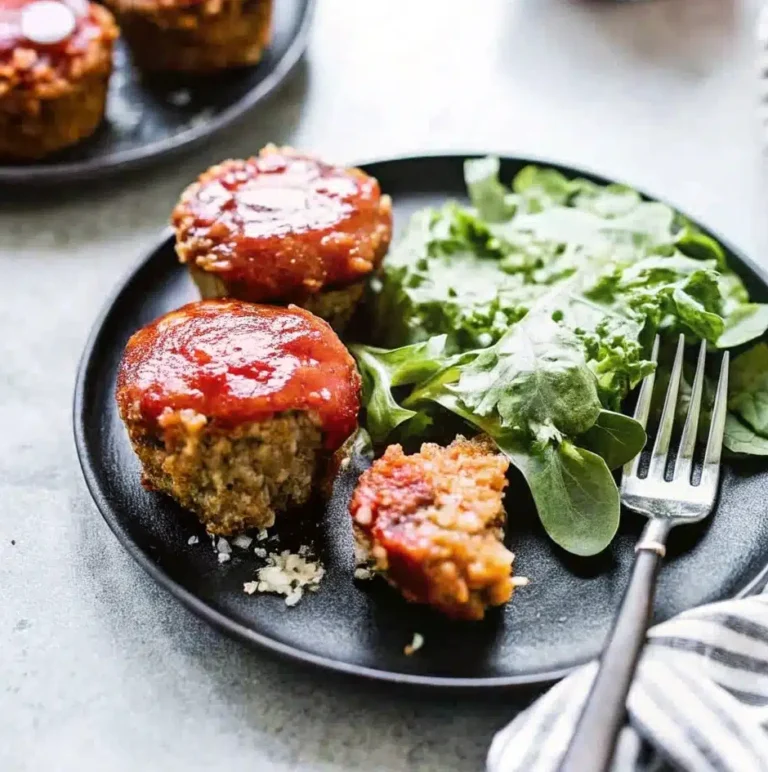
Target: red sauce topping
[284,225]
[54,34]
[236,362]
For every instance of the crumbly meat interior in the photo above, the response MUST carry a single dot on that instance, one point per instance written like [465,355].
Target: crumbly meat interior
[233,479]
[431,523]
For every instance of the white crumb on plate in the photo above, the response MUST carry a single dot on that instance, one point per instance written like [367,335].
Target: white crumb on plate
[262,535]
[363,574]
[288,574]
[193,540]
[520,581]
[224,557]
[180,98]
[414,645]
[222,546]
[260,552]
[242,542]
[202,118]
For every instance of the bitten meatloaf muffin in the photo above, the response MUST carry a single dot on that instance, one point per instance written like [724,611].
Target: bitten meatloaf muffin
[284,227]
[194,35]
[432,524]
[55,63]
[234,408]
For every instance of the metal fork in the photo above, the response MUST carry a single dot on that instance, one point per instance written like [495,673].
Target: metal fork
[666,504]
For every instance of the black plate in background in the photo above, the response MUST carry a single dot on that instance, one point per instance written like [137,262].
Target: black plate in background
[149,118]
[557,623]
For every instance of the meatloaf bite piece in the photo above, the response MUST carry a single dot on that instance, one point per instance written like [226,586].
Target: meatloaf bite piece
[284,228]
[234,408]
[55,63]
[431,523]
[195,36]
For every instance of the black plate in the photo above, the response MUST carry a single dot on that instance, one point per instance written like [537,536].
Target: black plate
[152,118]
[552,626]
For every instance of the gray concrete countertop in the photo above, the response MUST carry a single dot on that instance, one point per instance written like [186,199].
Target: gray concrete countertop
[102,670]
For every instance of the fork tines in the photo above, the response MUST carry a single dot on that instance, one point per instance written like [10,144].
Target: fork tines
[684,461]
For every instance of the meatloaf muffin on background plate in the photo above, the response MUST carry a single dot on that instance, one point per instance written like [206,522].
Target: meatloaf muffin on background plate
[432,523]
[195,36]
[284,227]
[55,63]
[234,408]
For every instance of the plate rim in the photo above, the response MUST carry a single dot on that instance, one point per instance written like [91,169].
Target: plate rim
[139,157]
[240,631]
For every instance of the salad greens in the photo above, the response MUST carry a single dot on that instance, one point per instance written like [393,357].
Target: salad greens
[530,316]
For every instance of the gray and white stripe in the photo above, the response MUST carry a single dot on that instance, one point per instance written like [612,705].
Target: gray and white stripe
[699,701]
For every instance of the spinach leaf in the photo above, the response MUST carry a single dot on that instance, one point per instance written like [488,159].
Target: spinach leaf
[575,494]
[535,379]
[615,437]
[740,438]
[748,387]
[574,491]
[745,323]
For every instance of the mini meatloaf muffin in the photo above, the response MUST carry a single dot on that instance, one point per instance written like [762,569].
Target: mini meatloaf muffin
[284,228]
[234,408]
[55,63]
[195,36]
[432,524]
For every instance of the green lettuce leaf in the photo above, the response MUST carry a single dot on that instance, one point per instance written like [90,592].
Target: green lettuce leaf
[492,200]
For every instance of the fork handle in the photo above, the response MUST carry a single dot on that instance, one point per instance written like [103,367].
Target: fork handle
[597,730]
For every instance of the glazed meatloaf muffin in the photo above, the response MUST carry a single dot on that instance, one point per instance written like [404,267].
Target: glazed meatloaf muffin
[194,35]
[55,63]
[284,227]
[432,524]
[234,408]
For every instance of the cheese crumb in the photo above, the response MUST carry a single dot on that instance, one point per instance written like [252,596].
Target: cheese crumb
[520,581]
[288,574]
[414,645]
[262,534]
[224,557]
[193,540]
[242,542]
[363,574]
[260,552]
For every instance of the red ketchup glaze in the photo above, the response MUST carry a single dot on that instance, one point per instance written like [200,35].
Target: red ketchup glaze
[392,498]
[12,35]
[285,225]
[237,362]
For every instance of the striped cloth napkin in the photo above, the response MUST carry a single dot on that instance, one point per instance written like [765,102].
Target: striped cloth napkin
[699,701]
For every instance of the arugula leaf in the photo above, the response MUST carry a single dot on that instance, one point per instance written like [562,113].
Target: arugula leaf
[382,370]
[615,437]
[740,438]
[748,382]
